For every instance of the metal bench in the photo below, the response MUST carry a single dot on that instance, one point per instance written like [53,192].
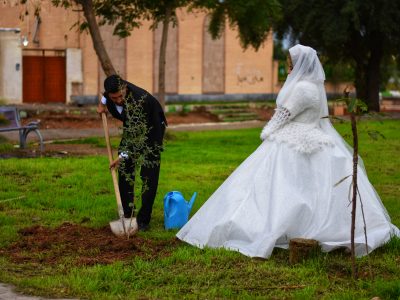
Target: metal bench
[10,121]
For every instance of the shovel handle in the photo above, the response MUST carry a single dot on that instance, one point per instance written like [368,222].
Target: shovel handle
[107,136]
[110,157]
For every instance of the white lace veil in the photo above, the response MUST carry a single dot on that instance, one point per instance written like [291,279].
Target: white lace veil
[307,67]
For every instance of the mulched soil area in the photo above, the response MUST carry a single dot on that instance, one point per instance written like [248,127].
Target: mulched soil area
[79,245]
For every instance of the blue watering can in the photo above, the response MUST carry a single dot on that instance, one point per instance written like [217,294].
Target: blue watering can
[176,209]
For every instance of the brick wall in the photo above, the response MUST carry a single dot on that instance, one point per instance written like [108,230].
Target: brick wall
[196,64]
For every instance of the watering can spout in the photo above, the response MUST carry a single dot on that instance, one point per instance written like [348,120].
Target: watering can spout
[190,205]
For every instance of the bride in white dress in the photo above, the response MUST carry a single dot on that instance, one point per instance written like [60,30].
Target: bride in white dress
[286,188]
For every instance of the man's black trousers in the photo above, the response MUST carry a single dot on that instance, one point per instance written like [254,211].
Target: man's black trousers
[149,177]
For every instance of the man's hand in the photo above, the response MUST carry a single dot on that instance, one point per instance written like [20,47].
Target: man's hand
[101,108]
[115,163]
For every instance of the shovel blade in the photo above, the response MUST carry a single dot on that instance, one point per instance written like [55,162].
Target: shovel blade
[131,227]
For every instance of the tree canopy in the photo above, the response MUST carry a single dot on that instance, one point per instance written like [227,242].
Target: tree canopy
[362,32]
[252,18]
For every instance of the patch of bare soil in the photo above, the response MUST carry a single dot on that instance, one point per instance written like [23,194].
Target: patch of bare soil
[191,117]
[56,150]
[81,245]
[264,114]
[51,120]
[59,150]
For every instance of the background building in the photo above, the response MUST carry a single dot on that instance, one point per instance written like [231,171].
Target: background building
[43,59]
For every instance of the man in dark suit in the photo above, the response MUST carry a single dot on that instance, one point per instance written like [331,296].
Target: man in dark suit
[118,95]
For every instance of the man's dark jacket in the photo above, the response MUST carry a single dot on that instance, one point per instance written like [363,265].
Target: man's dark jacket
[152,109]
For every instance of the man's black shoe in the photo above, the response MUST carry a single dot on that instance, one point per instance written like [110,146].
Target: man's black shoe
[143,226]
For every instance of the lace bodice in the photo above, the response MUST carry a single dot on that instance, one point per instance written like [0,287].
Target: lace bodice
[296,122]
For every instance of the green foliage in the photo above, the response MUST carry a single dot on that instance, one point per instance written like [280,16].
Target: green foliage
[338,72]
[127,15]
[334,26]
[135,143]
[279,52]
[391,73]
[282,70]
[252,18]
[5,145]
[361,32]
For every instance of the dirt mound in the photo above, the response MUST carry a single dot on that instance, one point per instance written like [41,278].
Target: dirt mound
[78,245]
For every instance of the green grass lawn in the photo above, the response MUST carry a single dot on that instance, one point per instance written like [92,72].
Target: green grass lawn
[50,191]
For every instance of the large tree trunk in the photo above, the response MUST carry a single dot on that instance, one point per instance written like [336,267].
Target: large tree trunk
[367,79]
[98,44]
[361,80]
[162,59]
[374,79]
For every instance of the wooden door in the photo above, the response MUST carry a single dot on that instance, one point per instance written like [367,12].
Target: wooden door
[55,79]
[44,79]
[32,79]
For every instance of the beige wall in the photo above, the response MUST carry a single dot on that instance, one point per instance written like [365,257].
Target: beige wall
[139,57]
[9,16]
[116,48]
[213,61]
[190,52]
[245,71]
[90,66]
[10,67]
[54,30]
[171,58]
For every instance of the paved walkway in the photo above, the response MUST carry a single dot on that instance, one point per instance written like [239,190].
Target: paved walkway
[7,293]
[66,134]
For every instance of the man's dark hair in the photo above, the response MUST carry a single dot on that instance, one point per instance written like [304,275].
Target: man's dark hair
[113,84]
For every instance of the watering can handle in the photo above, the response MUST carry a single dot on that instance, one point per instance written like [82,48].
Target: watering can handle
[166,206]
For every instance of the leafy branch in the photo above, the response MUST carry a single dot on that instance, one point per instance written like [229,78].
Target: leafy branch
[136,146]
[355,107]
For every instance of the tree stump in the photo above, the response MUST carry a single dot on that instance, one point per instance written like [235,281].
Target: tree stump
[300,249]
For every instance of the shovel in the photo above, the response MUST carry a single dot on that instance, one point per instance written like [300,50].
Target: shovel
[123,226]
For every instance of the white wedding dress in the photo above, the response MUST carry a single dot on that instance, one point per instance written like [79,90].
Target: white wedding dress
[286,188]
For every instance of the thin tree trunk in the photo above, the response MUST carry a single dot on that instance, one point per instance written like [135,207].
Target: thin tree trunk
[162,59]
[354,184]
[354,196]
[98,44]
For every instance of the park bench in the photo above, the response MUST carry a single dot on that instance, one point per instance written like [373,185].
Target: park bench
[10,121]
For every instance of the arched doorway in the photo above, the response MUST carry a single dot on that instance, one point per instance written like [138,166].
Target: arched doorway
[213,62]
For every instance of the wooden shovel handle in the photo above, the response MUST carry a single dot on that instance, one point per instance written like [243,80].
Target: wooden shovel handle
[110,157]
[107,136]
